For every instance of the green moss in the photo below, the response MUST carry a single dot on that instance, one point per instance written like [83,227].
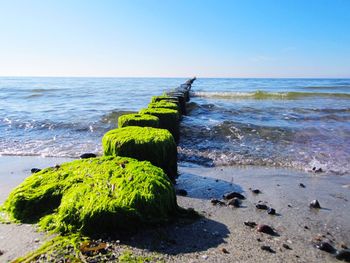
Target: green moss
[143,143]
[168,119]
[165,98]
[92,196]
[142,120]
[164,104]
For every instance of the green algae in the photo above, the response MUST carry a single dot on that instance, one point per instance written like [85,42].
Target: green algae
[168,119]
[142,120]
[92,196]
[164,104]
[143,143]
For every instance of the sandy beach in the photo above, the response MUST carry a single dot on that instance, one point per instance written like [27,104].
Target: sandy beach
[221,235]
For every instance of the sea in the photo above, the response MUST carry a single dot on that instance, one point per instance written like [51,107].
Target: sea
[302,124]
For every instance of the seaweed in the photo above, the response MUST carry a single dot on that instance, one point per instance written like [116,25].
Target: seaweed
[143,143]
[168,119]
[92,196]
[142,120]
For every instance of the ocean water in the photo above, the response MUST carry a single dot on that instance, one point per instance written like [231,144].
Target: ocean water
[297,123]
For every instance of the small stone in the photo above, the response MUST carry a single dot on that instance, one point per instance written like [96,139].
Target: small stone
[250,224]
[315,204]
[271,211]
[235,202]
[258,239]
[268,249]
[224,250]
[319,170]
[265,229]
[325,246]
[343,245]
[302,185]
[87,155]
[231,195]
[181,192]
[344,255]
[256,191]
[35,170]
[306,227]
[205,256]
[216,202]
[286,246]
[261,206]
[1,252]
[36,240]
[289,205]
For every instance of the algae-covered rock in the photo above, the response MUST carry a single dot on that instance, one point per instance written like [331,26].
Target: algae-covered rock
[168,119]
[143,143]
[94,196]
[164,104]
[142,120]
[179,99]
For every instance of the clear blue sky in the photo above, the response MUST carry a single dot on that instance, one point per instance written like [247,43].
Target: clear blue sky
[171,38]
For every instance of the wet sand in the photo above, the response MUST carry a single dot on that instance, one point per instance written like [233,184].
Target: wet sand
[220,236]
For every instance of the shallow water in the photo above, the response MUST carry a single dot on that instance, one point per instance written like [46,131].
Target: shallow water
[299,123]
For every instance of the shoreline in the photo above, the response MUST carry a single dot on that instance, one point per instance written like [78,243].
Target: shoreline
[221,227]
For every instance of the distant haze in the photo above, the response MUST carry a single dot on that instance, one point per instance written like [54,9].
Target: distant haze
[182,38]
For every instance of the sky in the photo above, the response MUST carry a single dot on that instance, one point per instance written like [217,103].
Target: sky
[175,38]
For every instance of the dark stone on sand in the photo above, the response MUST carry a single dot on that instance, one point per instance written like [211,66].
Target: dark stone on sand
[261,206]
[306,227]
[286,246]
[256,191]
[268,249]
[319,170]
[271,211]
[250,224]
[216,202]
[234,202]
[224,250]
[231,195]
[181,192]
[35,170]
[87,155]
[302,185]
[325,246]
[265,229]
[315,204]
[344,255]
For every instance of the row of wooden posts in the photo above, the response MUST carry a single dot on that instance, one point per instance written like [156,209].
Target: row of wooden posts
[152,134]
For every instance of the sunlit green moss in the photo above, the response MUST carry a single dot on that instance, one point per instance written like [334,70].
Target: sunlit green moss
[143,143]
[142,120]
[168,119]
[94,195]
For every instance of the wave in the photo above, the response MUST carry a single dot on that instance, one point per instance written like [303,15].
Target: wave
[261,95]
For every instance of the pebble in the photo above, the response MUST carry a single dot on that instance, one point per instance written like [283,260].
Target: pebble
[325,246]
[286,246]
[36,240]
[87,155]
[302,185]
[250,223]
[256,191]
[261,206]
[1,252]
[271,211]
[235,202]
[205,256]
[268,249]
[265,229]
[216,202]
[181,192]
[224,250]
[344,255]
[35,170]
[232,195]
[315,204]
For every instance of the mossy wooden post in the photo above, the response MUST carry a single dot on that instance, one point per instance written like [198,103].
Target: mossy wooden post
[142,120]
[164,104]
[180,100]
[168,119]
[93,196]
[143,143]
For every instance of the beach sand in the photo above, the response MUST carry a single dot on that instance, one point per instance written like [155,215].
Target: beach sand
[220,236]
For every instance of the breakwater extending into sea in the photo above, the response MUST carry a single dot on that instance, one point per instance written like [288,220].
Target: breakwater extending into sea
[297,123]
